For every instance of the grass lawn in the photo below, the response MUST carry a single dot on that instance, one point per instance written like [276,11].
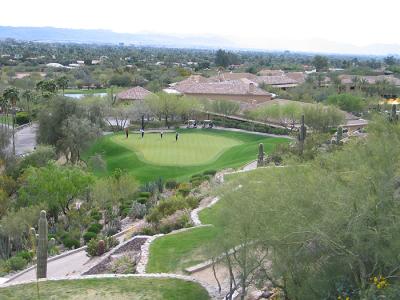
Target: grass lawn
[107,288]
[196,151]
[88,92]
[175,252]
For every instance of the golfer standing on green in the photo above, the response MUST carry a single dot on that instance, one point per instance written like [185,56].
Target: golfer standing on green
[176,137]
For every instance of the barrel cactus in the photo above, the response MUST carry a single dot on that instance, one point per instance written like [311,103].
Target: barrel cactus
[42,241]
[101,247]
[260,159]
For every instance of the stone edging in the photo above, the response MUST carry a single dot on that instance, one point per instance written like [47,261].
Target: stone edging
[213,293]
[109,253]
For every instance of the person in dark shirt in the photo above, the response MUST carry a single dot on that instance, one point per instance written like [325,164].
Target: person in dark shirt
[176,137]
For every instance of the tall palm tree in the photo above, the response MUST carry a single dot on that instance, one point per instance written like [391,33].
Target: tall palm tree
[12,96]
[28,95]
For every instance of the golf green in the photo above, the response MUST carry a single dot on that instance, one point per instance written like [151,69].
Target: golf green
[196,151]
[190,148]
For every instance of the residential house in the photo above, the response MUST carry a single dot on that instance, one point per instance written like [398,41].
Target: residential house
[242,90]
[134,94]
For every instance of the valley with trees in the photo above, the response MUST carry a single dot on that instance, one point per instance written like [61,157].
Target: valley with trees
[166,173]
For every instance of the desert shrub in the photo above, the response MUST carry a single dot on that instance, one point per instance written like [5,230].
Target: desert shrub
[184,189]
[210,172]
[148,230]
[144,194]
[196,182]
[167,207]
[123,265]
[192,202]
[171,184]
[178,220]
[21,118]
[91,249]
[142,200]
[138,210]
[17,263]
[89,235]
[99,246]
[95,215]
[27,255]
[71,243]
[96,228]
[125,212]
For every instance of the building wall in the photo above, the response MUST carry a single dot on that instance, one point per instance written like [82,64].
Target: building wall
[250,99]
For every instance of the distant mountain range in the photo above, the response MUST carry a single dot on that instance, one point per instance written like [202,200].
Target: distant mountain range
[99,36]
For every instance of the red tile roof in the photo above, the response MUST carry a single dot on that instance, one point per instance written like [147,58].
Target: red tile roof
[136,93]
[232,87]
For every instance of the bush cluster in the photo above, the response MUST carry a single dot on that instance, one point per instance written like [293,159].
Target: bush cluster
[98,246]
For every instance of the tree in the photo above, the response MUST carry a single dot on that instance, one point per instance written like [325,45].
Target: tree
[29,96]
[324,224]
[320,118]
[62,83]
[77,136]
[55,186]
[390,60]
[224,107]
[123,80]
[164,105]
[320,63]
[68,126]
[12,96]
[225,59]
[347,102]
[47,88]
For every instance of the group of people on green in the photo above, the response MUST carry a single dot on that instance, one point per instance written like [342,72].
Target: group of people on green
[142,133]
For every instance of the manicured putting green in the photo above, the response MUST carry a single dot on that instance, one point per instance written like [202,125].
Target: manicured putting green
[190,149]
[196,151]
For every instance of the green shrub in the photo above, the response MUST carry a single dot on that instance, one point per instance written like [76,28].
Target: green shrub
[184,189]
[148,230]
[167,207]
[144,194]
[192,202]
[17,263]
[142,200]
[171,184]
[92,246]
[125,212]
[95,215]
[96,228]
[27,255]
[21,118]
[197,181]
[71,243]
[89,235]
[210,172]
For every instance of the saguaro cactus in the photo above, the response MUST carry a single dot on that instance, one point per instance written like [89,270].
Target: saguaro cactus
[260,159]
[339,135]
[302,135]
[393,113]
[41,269]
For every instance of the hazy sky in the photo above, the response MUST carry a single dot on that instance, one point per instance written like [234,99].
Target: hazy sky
[251,23]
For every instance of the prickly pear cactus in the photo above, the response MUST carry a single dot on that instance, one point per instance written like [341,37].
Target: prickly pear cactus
[41,270]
